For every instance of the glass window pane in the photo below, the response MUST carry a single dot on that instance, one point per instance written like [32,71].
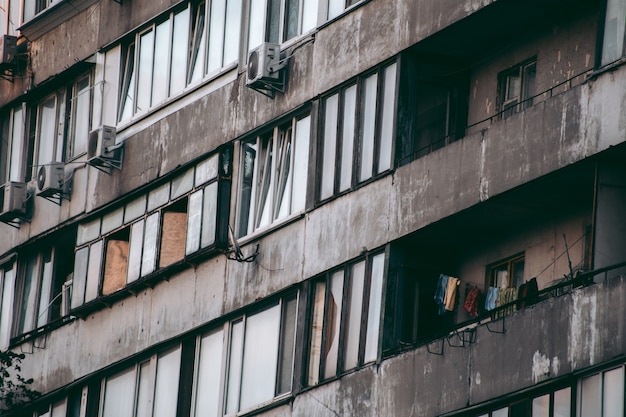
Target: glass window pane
[206,170]
[260,357]
[134,251]
[112,220]
[309,15]
[541,406]
[93,271]
[233,23]
[300,164]
[46,289]
[199,46]
[80,277]
[135,209]
[353,320]
[256,26]
[373,314]
[247,173]
[144,72]
[47,131]
[590,402]
[209,215]
[287,345]
[17,137]
[335,8]
[613,401]
[330,145]
[180,42]
[333,324]
[209,372]
[81,114]
[119,394]
[194,222]
[27,304]
[166,389]
[159,196]
[613,42]
[503,412]
[148,261]
[273,24]
[234,367]
[317,326]
[283,178]
[161,62]
[182,184]
[8,286]
[388,111]
[143,392]
[563,403]
[127,99]
[59,409]
[216,34]
[292,10]
[368,125]
[347,137]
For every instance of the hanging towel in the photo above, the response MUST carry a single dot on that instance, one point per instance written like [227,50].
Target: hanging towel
[450,297]
[490,300]
[527,294]
[471,301]
[440,293]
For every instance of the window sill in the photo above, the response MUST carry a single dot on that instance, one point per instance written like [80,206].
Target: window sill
[41,331]
[349,9]
[368,181]
[278,224]
[263,407]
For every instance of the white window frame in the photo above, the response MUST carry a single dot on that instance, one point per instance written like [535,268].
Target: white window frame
[56,134]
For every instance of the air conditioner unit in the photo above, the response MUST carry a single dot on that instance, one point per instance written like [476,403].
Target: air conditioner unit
[8,47]
[50,179]
[12,201]
[264,65]
[102,152]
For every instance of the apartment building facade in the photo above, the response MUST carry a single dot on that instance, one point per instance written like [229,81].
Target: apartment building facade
[315,207]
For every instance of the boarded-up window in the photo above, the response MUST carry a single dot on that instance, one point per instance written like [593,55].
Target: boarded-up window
[116,262]
[174,234]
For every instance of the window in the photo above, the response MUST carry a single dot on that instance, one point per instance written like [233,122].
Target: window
[554,404]
[41,289]
[181,217]
[257,353]
[149,388]
[50,130]
[602,394]
[508,273]
[273,175]
[214,44]
[336,7]
[357,137]
[79,115]
[7,288]
[614,25]
[278,21]
[13,151]
[10,17]
[155,65]
[516,87]
[345,320]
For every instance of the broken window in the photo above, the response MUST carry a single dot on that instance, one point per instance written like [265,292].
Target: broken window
[273,175]
[173,234]
[516,88]
[614,25]
[357,134]
[149,388]
[116,262]
[345,323]
[256,352]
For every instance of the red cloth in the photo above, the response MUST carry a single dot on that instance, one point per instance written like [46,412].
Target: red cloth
[471,301]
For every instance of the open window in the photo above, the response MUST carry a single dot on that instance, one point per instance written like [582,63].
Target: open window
[345,320]
[273,175]
[507,273]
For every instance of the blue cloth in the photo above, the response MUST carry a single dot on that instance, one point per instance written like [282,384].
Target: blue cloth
[490,300]
[440,293]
